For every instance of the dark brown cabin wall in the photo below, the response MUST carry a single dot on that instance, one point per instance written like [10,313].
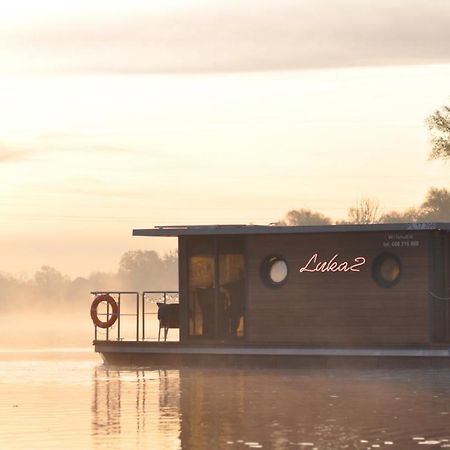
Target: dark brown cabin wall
[183,287]
[339,307]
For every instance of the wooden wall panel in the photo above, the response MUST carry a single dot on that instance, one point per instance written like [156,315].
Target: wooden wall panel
[438,286]
[339,307]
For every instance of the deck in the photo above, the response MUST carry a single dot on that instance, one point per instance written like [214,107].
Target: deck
[176,353]
[142,343]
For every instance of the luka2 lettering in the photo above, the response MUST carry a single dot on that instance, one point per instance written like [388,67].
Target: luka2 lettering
[333,265]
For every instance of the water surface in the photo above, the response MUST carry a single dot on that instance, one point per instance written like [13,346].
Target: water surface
[70,400]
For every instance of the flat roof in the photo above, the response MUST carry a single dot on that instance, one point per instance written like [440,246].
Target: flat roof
[192,230]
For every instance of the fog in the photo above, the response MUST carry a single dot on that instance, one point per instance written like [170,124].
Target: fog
[52,310]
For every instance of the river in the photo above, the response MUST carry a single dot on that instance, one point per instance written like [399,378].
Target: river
[67,399]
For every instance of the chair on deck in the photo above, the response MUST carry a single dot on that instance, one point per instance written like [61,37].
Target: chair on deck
[169,317]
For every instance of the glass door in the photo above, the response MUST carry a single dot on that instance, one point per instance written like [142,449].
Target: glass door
[216,288]
[201,288]
[231,285]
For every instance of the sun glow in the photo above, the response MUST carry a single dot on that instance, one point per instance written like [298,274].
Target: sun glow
[119,115]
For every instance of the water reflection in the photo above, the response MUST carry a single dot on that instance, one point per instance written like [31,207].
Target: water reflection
[135,408]
[193,408]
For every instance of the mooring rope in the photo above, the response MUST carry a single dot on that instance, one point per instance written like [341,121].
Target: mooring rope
[439,298]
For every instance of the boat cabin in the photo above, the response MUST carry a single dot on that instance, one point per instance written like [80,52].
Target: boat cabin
[303,288]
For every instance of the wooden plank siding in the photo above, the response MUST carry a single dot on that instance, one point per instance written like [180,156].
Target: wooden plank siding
[338,308]
[183,287]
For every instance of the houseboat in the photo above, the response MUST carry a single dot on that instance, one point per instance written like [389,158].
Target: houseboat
[290,294]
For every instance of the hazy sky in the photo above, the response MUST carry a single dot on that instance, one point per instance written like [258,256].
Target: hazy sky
[119,115]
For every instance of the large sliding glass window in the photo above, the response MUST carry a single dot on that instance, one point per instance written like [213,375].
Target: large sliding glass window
[216,287]
[231,288]
[201,289]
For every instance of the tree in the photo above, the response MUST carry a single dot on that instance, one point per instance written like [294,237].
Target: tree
[12,292]
[407,216]
[439,125]
[51,284]
[304,217]
[365,211]
[436,207]
[146,270]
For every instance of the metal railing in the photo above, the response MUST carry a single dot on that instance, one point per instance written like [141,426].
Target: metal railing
[142,302]
[154,297]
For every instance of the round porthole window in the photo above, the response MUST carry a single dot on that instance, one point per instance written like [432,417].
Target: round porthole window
[386,270]
[274,271]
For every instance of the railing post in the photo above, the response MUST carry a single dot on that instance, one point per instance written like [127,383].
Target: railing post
[107,318]
[95,326]
[118,319]
[143,316]
[137,316]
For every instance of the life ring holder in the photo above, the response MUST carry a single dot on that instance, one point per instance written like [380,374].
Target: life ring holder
[114,311]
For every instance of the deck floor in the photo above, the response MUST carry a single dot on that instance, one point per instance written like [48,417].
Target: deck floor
[178,348]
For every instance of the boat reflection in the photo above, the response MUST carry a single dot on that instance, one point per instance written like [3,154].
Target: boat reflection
[135,408]
[192,408]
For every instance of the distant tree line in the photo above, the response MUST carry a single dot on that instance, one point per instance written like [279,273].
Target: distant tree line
[435,208]
[49,288]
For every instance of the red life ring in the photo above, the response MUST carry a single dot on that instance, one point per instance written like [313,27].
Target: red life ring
[114,311]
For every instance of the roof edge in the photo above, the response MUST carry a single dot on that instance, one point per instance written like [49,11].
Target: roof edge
[192,230]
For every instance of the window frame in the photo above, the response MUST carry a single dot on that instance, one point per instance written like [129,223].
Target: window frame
[376,270]
[266,266]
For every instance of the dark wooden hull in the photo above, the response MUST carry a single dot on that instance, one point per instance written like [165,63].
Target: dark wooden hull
[178,355]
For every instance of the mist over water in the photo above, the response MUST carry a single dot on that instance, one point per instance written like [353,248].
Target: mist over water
[69,399]
[34,330]
[51,309]
[66,329]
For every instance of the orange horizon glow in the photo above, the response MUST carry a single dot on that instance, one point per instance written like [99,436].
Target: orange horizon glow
[199,136]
